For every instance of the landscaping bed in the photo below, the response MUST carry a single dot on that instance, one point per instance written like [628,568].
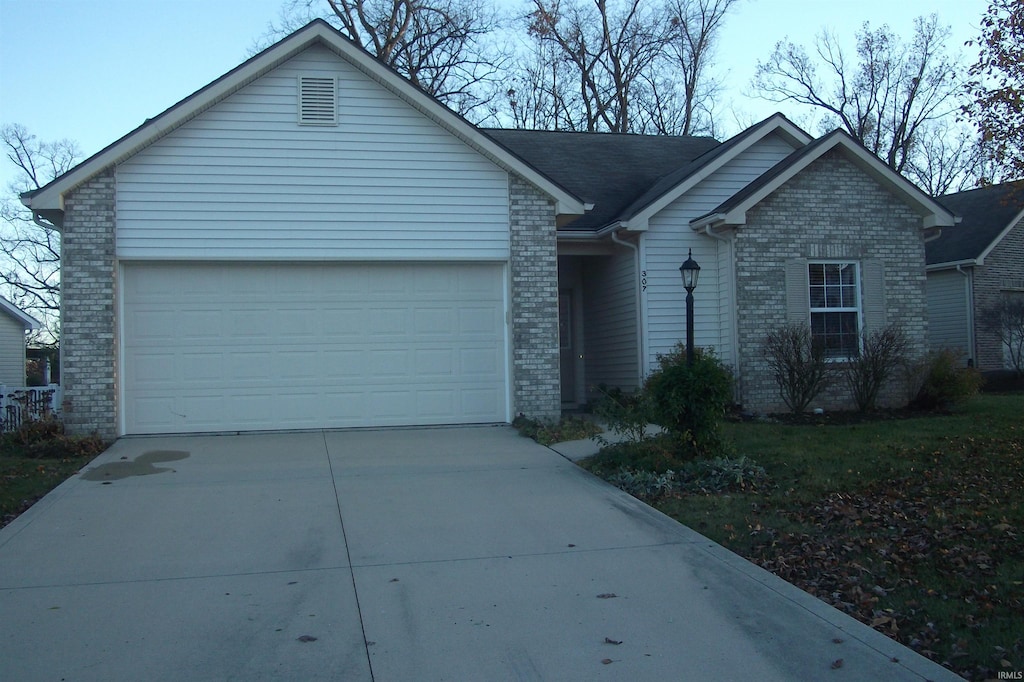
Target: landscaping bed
[912,525]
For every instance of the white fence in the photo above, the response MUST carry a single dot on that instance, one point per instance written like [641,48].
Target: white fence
[19,404]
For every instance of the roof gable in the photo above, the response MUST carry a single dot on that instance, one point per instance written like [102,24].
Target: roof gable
[48,201]
[988,214]
[669,188]
[26,320]
[733,211]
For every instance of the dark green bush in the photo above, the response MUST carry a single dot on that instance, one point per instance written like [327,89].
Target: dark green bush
[691,402]
[947,383]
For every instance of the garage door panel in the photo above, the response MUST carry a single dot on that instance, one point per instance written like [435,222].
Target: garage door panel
[217,347]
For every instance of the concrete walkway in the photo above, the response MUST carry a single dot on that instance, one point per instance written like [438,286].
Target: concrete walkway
[430,554]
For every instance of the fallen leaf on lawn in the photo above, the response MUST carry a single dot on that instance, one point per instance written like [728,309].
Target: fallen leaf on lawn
[609,640]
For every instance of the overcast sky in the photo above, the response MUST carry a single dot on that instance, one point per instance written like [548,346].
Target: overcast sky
[92,70]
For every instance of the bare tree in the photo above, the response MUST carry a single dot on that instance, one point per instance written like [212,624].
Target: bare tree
[629,65]
[609,49]
[30,264]
[947,158]
[440,45]
[886,98]
[1005,319]
[695,26]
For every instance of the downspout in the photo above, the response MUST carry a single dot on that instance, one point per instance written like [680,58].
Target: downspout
[969,294]
[639,306]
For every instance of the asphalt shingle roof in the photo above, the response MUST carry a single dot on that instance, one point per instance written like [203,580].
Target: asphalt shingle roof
[610,170]
[986,212]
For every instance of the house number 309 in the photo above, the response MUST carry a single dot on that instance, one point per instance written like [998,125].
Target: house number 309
[643,280]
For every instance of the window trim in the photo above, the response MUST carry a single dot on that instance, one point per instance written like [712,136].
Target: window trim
[858,308]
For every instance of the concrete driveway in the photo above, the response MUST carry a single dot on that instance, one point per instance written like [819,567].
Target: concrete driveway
[427,554]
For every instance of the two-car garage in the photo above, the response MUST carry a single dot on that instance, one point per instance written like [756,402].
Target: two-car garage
[258,346]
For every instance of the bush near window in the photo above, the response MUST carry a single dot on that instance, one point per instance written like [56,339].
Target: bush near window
[691,401]
[947,383]
[798,364]
[882,353]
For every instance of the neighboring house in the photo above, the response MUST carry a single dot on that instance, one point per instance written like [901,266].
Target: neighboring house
[311,241]
[971,266]
[13,324]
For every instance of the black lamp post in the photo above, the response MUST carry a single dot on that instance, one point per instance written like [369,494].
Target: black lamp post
[690,272]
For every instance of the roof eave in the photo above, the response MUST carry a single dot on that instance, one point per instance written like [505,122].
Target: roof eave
[934,216]
[954,264]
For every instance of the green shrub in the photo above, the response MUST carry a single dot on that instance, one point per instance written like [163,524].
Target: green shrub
[798,365]
[658,453]
[946,382]
[690,401]
[721,474]
[644,485]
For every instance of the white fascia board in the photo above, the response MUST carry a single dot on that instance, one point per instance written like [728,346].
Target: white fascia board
[953,265]
[995,242]
[20,315]
[789,132]
[52,196]
[932,214]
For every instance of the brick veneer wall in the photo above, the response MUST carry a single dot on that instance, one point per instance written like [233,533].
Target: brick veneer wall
[1003,271]
[88,343]
[536,388]
[831,210]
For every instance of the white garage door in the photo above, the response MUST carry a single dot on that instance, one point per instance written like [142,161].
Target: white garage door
[225,347]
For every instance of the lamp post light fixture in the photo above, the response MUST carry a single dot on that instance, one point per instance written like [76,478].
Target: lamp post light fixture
[690,272]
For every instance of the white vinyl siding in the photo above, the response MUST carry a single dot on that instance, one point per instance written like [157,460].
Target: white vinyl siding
[609,304]
[227,347]
[948,312]
[666,244]
[12,357]
[244,181]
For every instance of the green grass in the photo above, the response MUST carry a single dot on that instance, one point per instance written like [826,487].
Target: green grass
[24,480]
[913,525]
[37,458]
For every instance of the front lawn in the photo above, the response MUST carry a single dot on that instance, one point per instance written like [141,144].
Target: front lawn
[912,525]
[35,460]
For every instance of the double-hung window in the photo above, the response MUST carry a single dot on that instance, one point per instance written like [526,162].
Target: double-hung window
[835,308]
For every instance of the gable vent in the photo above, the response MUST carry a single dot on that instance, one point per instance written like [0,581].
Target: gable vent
[318,101]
